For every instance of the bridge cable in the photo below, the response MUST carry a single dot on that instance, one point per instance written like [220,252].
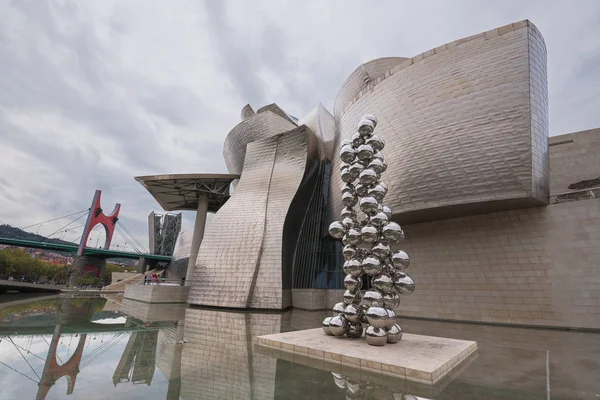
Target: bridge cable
[61,228]
[19,372]
[54,219]
[29,352]
[101,350]
[134,238]
[128,239]
[138,245]
[36,374]
[57,356]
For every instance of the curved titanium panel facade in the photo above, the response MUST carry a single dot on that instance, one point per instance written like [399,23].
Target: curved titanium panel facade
[465,126]
[264,124]
[321,123]
[241,259]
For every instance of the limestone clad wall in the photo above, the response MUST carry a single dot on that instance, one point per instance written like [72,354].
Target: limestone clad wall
[574,158]
[465,126]
[536,266]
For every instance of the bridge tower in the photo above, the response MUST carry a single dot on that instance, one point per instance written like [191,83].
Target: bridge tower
[96,216]
[53,372]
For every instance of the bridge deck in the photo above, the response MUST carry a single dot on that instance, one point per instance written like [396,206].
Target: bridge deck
[100,253]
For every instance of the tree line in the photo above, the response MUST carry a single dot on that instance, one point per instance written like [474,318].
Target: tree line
[20,265]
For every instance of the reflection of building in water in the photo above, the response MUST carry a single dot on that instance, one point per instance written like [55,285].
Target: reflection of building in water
[219,361]
[168,358]
[138,359]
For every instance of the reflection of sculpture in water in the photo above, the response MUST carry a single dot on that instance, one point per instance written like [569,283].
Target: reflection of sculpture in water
[366,390]
[370,239]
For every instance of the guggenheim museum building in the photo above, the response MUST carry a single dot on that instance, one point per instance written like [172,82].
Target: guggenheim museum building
[502,222]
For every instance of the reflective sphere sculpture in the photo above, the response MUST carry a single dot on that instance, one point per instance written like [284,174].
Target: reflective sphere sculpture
[365,127]
[377,316]
[326,326]
[375,142]
[353,236]
[353,313]
[373,298]
[355,169]
[349,199]
[338,325]
[352,297]
[404,284]
[368,177]
[339,380]
[337,230]
[369,233]
[381,250]
[394,334]
[371,266]
[352,282]
[357,140]
[369,238]
[400,260]
[368,205]
[383,283]
[364,152]
[339,308]
[392,232]
[355,331]
[376,336]
[347,154]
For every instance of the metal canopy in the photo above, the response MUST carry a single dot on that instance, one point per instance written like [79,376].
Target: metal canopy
[181,191]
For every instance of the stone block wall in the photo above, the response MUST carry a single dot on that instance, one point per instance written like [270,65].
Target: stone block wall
[574,158]
[536,266]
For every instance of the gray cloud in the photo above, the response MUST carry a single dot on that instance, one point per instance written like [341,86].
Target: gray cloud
[94,93]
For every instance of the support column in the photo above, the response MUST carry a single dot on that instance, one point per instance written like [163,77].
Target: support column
[197,237]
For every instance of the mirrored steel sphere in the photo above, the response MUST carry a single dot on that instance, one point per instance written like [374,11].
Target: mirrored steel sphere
[361,190]
[387,211]
[376,336]
[391,318]
[404,283]
[353,236]
[379,219]
[377,316]
[354,331]
[355,387]
[338,308]
[371,118]
[354,267]
[378,192]
[369,233]
[383,283]
[348,187]
[368,177]
[368,205]
[349,199]
[349,252]
[376,165]
[357,140]
[347,154]
[385,165]
[364,308]
[345,142]
[389,300]
[365,127]
[355,169]
[326,326]
[338,325]
[371,265]
[348,212]
[346,176]
[337,230]
[344,165]
[348,223]
[339,380]
[353,313]
[364,152]
[376,142]
[352,282]
[400,259]
[352,297]
[392,233]
[373,298]
[381,250]
[394,334]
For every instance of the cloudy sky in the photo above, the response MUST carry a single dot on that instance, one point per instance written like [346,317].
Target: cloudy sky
[95,92]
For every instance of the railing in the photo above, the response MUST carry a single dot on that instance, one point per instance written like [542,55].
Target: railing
[162,282]
[575,195]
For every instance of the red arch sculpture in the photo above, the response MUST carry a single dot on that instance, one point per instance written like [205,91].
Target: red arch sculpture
[95,217]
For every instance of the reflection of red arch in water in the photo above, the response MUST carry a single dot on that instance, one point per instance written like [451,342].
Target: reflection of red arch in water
[53,372]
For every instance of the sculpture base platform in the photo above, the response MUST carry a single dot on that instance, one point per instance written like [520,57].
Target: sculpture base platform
[416,358]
